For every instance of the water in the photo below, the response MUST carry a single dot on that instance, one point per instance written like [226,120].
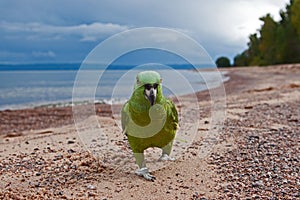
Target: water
[27,89]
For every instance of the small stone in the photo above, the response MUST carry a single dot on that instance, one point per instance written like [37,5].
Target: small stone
[297,194]
[230,195]
[91,194]
[71,151]
[284,181]
[91,187]
[226,190]
[248,107]
[255,196]
[37,184]
[59,193]
[38,174]
[58,157]
[258,184]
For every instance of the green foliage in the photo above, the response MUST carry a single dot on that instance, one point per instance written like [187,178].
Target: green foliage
[295,16]
[241,59]
[275,42]
[223,62]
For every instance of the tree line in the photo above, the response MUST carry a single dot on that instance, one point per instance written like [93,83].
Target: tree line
[275,42]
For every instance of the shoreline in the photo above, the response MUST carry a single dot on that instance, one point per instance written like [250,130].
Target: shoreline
[67,100]
[16,120]
[256,156]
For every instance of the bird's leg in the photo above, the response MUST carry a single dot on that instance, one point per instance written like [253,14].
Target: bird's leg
[140,159]
[143,170]
[166,151]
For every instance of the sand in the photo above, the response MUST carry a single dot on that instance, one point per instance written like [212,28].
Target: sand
[255,155]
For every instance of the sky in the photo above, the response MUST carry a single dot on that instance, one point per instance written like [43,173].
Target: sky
[41,31]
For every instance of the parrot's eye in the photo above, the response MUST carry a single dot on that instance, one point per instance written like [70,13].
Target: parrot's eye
[149,86]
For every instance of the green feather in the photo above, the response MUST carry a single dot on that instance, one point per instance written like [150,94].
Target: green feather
[145,77]
[140,119]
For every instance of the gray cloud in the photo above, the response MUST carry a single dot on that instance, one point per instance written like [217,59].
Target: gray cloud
[87,32]
[75,27]
[50,54]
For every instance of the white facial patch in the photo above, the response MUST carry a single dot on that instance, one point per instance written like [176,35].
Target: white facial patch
[147,92]
[154,91]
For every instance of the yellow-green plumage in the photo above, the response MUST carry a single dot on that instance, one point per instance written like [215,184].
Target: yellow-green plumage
[141,118]
[145,125]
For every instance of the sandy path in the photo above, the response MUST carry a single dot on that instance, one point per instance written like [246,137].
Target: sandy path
[261,129]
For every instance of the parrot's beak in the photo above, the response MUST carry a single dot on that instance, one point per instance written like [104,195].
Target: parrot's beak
[151,95]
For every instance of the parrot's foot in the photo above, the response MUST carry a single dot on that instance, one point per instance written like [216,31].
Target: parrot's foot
[145,173]
[166,157]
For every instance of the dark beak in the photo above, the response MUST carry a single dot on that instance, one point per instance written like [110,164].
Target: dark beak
[151,97]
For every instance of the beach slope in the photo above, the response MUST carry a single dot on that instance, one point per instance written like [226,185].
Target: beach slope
[257,154]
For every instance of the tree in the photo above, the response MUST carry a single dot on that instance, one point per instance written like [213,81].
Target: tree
[293,34]
[295,15]
[254,53]
[241,59]
[267,44]
[275,42]
[223,62]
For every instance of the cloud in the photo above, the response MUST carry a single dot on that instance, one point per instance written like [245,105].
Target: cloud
[221,26]
[8,55]
[86,32]
[93,32]
[49,54]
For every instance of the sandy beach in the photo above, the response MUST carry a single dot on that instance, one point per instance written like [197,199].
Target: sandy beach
[256,156]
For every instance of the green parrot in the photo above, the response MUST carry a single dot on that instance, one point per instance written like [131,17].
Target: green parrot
[149,120]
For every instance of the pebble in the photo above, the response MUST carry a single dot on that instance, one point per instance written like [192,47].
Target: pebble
[71,151]
[91,187]
[38,174]
[266,160]
[258,184]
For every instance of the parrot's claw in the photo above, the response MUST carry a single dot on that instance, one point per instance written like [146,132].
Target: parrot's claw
[145,173]
[166,157]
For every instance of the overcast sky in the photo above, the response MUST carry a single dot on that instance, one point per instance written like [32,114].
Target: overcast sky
[67,30]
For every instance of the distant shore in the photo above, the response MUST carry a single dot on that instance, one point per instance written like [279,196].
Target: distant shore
[22,89]
[256,156]
[40,116]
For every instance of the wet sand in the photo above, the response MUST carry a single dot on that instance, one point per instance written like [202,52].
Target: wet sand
[256,156]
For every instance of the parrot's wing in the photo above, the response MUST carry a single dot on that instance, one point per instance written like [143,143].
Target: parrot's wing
[125,117]
[172,113]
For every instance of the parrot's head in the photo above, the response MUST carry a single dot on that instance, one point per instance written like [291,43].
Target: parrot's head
[149,82]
